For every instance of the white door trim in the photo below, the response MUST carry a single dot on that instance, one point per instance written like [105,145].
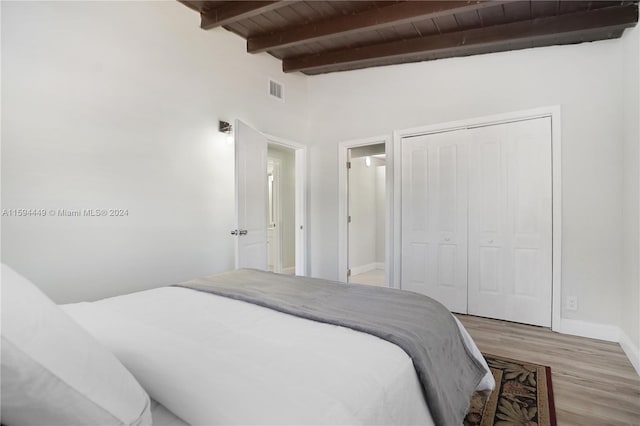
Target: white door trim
[276,206]
[343,247]
[556,147]
[301,154]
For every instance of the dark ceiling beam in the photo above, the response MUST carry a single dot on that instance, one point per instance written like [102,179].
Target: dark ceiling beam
[233,11]
[544,31]
[195,5]
[399,13]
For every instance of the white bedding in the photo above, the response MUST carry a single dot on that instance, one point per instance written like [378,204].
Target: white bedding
[163,417]
[213,360]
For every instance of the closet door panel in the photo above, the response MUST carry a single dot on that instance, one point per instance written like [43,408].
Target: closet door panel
[434,217]
[415,217]
[487,220]
[510,217]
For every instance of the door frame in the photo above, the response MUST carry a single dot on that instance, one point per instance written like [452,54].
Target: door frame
[277,210]
[301,189]
[554,113]
[343,203]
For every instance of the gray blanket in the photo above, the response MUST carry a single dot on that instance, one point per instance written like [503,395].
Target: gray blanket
[421,326]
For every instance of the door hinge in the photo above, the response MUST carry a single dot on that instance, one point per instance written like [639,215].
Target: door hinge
[348,219]
[348,272]
[348,164]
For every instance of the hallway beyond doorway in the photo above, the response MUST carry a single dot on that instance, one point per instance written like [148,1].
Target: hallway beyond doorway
[374,277]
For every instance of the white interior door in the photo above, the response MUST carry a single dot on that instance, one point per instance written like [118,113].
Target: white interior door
[434,217]
[251,197]
[510,217]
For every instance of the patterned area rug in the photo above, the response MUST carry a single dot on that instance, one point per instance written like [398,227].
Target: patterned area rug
[523,396]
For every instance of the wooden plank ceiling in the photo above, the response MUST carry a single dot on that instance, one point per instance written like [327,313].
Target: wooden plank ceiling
[317,37]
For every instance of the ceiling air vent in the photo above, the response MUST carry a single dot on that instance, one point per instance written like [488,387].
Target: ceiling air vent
[276,90]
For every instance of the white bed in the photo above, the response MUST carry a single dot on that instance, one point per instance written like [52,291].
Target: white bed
[163,417]
[213,360]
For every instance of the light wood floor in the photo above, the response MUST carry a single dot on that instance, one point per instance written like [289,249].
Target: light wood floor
[375,277]
[593,381]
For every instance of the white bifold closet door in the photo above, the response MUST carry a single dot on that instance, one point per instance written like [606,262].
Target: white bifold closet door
[510,222]
[434,217]
[476,219]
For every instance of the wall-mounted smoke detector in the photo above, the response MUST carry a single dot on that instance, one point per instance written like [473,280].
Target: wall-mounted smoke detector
[276,90]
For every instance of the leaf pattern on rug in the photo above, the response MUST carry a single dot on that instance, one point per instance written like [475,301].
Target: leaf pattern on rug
[512,413]
[521,372]
[518,389]
[516,403]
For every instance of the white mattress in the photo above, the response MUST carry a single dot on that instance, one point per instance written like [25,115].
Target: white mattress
[213,360]
[163,417]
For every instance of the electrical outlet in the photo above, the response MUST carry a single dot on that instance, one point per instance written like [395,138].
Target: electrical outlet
[571,303]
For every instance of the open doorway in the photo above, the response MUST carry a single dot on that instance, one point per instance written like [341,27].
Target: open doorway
[253,208]
[281,229]
[366,195]
[364,207]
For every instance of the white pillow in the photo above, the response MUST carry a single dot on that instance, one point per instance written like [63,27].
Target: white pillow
[54,372]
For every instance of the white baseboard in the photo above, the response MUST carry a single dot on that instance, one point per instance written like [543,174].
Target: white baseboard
[592,330]
[632,351]
[610,333]
[380,265]
[364,268]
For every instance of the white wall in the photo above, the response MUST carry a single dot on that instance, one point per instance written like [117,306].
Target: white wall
[116,105]
[583,79]
[630,301]
[288,202]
